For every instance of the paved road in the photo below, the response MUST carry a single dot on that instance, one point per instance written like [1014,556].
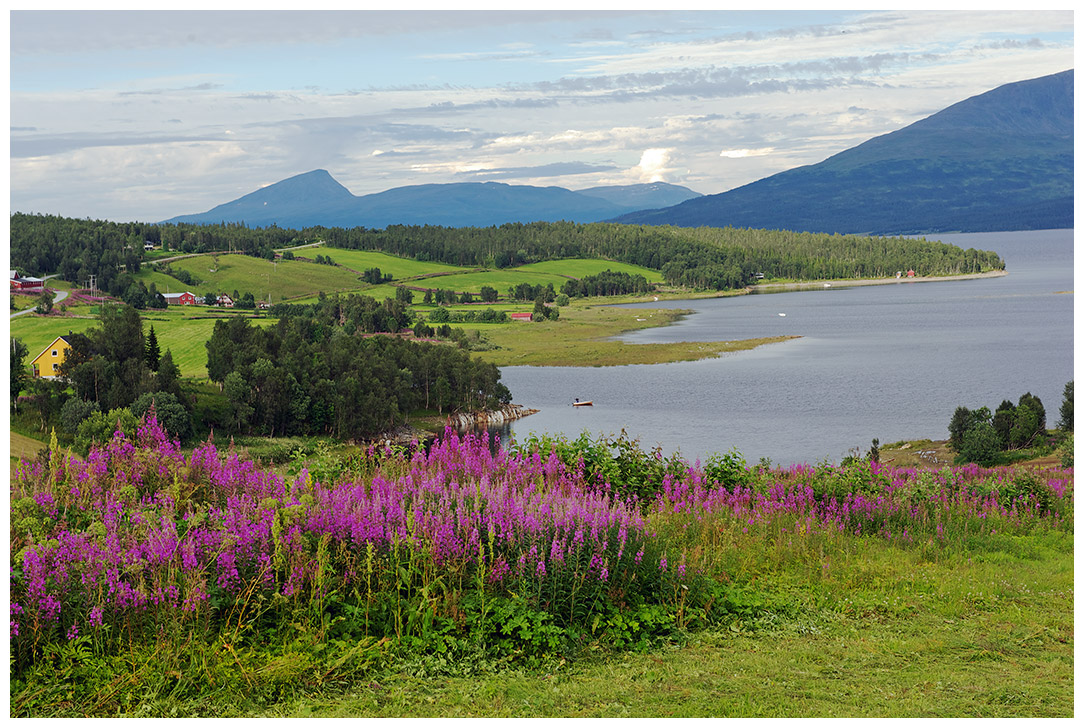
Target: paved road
[58,296]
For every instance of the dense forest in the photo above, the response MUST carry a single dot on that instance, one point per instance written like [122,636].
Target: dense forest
[705,258]
[322,369]
[310,375]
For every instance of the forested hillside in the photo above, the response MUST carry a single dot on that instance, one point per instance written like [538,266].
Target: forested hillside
[704,258]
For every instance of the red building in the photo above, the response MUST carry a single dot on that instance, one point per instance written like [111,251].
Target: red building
[180,299]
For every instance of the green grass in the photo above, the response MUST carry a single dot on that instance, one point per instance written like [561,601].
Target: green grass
[500,279]
[184,331]
[362,260]
[884,632]
[37,332]
[283,280]
[580,267]
[583,337]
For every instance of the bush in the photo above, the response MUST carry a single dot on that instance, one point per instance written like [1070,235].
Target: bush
[170,413]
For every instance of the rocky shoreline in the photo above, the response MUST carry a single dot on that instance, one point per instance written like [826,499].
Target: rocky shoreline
[487,418]
[406,434]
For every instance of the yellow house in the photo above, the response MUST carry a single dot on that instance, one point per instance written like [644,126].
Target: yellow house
[47,363]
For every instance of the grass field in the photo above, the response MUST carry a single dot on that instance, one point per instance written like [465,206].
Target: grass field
[37,332]
[500,279]
[182,329]
[284,279]
[582,337]
[989,636]
[580,267]
[362,260]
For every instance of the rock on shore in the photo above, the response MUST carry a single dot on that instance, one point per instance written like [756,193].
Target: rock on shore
[486,418]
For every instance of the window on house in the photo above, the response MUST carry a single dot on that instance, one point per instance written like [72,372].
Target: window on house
[55,366]
[54,352]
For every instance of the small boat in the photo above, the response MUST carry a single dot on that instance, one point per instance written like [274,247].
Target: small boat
[578,403]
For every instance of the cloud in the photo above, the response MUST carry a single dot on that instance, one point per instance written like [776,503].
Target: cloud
[653,165]
[742,153]
[555,169]
[43,145]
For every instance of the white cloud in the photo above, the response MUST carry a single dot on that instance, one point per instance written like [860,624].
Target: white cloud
[742,153]
[654,165]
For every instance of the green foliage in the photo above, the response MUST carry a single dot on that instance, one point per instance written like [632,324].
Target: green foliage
[74,411]
[19,374]
[1065,421]
[170,413]
[98,427]
[980,444]
[45,302]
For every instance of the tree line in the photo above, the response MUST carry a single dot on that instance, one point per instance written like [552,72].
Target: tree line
[715,258]
[308,375]
[978,435]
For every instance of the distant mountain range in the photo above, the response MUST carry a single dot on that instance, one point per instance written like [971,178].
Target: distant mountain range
[1002,160]
[315,198]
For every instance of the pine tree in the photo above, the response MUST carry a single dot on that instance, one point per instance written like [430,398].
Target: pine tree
[151,353]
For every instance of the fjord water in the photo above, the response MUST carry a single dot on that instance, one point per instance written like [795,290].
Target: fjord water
[889,361]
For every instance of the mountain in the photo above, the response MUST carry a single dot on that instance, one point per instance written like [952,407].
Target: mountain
[1002,160]
[315,198]
[642,197]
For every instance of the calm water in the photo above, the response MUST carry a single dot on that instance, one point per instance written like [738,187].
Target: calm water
[891,362]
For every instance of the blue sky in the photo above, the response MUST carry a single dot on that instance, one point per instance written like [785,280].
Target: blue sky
[129,115]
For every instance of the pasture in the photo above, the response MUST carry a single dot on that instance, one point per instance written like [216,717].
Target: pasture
[581,267]
[363,260]
[281,280]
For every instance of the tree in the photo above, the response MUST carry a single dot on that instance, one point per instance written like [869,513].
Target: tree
[168,375]
[74,412]
[170,413]
[210,299]
[1029,422]
[980,444]
[404,295]
[45,303]
[151,351]
[1004,418]
[1065,422]
[19,375]
[489,294]
[963,420]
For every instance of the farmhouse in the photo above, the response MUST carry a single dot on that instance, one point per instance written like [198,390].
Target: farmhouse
[520,316]
[47,364]
[25,284]
[224,300]
[180,299]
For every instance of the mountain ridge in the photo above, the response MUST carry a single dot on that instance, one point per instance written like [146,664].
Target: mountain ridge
[1000,160]
[316,198]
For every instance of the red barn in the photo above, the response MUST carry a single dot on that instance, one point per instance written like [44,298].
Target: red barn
[180,299]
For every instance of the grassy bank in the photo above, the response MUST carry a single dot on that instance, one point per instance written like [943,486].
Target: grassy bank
[583,337]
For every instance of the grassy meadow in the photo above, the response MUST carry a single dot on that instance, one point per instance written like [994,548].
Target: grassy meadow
[363,260]
[549,578]
[283,279]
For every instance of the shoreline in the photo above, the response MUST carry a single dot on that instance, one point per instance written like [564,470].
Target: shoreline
[848,282]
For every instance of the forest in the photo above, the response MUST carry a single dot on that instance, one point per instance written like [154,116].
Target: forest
[703,258]
[322,369]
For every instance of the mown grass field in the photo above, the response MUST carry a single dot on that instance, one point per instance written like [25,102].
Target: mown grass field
[500,279]
[581,267]
[284,279]
[363,260]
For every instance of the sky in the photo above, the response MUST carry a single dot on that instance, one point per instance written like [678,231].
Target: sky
[143,115]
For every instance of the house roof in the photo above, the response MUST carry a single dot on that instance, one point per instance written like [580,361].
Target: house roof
[50,346]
